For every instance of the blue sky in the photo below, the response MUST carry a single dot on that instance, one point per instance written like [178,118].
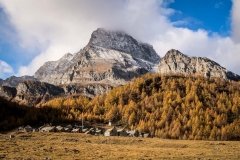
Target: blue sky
[29,36]
[212,15]
[10,48]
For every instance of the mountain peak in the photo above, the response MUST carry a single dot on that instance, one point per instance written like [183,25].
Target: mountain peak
[111,39]
[103,36]
[175,62]
[111,57]
[121,41]
[172,53]
[67,56]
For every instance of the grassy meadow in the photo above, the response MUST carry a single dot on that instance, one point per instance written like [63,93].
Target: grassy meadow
[80,146]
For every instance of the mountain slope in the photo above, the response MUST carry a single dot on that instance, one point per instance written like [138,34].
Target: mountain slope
[13,115]
[7,93]
[175,62]
[34,92]
[13,81]
[109,58]
[175,107]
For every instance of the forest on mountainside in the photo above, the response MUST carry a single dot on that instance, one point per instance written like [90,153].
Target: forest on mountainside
[13,115]
[174,107]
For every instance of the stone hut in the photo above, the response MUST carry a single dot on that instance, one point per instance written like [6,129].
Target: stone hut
[111,132]
[122,132]
[28,129]
[133,133]
[48,129]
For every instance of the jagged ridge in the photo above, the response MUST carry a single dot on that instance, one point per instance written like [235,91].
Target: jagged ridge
[175,62]
[109,58]
[13,81]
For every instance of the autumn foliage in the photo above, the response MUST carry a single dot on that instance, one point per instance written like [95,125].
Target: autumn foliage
[175,107]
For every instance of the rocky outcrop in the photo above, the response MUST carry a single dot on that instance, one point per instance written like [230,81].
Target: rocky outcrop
[89,90]
[7,93]
[123,42]
[175,62]
[13,81]
[111,58]
[34,92]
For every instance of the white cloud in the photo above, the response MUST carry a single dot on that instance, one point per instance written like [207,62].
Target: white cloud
[5,68]
[236,20]
[222,50]
[61,26]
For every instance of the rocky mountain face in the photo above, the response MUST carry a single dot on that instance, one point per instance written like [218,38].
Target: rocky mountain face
[13,81]
[89,90]
[109,58]
[175,62]
[26,90]
[34,92]
[7,93]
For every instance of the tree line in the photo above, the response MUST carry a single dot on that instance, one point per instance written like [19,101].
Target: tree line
[175,107]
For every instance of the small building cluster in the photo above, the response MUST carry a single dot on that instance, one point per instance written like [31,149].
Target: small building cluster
[113,131]
[125,133]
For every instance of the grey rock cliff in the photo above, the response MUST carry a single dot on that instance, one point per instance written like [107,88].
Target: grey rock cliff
[111,58]
[123,42]
[7,93]
[175,62]
[13,81]
[34,92]
[89,90]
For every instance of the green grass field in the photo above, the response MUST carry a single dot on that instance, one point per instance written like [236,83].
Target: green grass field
[81,146]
